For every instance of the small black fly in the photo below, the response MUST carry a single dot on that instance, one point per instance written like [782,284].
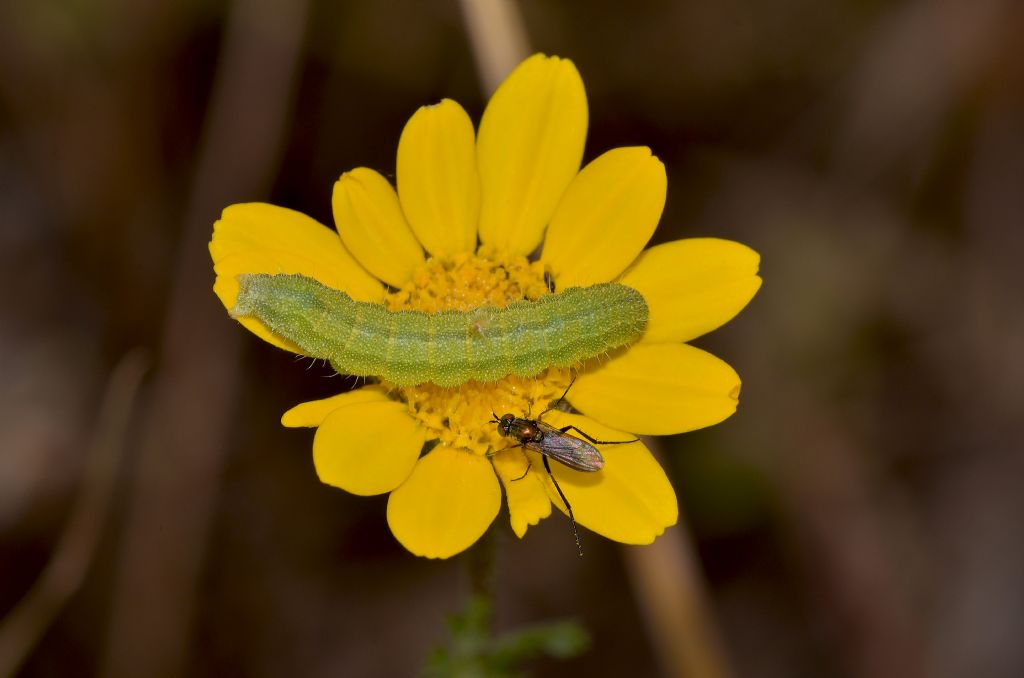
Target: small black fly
[556,443]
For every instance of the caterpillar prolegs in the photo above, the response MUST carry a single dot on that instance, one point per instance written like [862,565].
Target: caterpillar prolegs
[447,348]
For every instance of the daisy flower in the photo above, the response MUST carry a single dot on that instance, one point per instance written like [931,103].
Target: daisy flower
[458,233]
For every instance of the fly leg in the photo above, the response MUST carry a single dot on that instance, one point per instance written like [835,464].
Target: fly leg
[512,447]
[568,509]
[528,465]
[595,440]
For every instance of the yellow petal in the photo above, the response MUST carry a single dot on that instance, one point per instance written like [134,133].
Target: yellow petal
[630,500]
[370,221]
[261,238]
[529,148]
[658,389]
[314,412]
[438,185]
[605,218]
[447,503]
[526,497]
[367,447]
[693,286]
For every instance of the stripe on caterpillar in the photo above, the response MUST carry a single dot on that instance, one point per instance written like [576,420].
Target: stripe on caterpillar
[447,348]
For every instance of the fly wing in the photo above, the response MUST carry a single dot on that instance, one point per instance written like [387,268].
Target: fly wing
[574,452]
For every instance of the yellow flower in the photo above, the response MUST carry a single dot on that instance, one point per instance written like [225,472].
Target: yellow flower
[515,186]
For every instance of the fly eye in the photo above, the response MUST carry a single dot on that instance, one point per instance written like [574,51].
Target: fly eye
[505,424]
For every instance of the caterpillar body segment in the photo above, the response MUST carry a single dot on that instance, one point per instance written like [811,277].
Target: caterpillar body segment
[447,348]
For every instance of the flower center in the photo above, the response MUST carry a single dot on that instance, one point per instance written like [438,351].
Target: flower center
[462,416]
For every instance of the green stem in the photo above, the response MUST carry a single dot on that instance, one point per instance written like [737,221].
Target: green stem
[481,561]
[474,651]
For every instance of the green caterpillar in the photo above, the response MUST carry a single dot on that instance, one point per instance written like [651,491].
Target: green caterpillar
[447,348]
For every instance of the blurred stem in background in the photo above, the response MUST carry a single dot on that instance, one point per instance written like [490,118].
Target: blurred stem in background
[178,472]
[665,575]
[671,591]
[498,38]
[23,628]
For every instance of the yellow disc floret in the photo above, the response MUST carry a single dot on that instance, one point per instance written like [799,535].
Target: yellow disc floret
[461,416]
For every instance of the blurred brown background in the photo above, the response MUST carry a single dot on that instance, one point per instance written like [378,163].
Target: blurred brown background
[860,514]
